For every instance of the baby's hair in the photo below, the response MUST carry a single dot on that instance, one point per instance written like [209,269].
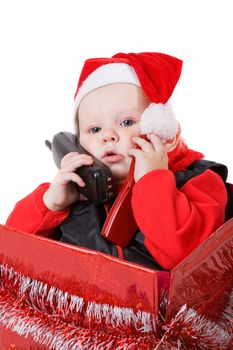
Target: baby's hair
[76,127]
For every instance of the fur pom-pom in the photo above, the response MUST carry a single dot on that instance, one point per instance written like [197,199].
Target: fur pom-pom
[159,119]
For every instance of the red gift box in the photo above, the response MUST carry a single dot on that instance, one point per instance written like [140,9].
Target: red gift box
[58,296]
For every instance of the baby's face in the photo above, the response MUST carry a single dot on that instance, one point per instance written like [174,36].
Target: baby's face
[108,118]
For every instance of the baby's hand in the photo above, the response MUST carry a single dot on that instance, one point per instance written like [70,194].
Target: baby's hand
[63,190]
[151,156]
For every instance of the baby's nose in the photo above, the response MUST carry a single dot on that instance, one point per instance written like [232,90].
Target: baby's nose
[110,136]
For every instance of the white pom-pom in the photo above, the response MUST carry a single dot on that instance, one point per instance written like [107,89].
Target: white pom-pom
[159,119]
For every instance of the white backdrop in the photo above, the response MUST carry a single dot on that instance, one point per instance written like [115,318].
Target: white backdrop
[44,43]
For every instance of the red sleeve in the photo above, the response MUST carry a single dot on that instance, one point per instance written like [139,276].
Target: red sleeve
[174,222]
[31,215]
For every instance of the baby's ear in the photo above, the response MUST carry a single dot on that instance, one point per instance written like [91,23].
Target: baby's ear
[172,143]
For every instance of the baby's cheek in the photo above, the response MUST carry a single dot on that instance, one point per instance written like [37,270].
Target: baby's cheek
[129,144]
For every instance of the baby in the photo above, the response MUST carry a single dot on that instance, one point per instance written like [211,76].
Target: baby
[178,198]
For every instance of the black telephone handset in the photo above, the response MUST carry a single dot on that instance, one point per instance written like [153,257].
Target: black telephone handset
[97,176]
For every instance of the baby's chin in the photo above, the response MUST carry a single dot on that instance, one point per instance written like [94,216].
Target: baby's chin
[119,173]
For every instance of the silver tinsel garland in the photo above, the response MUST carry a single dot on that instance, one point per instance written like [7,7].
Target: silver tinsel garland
[58,320]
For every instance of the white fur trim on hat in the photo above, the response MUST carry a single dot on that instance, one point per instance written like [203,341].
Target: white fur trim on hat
[110,73]
[159,119]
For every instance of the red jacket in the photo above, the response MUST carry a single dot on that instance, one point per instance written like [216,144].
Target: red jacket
[173,221]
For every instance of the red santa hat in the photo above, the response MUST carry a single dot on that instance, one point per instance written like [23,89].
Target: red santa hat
[156,73]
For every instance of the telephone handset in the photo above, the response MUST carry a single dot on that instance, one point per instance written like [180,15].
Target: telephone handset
[120,225]
[97,176]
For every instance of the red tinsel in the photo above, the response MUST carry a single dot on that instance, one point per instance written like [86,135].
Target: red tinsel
[58,320]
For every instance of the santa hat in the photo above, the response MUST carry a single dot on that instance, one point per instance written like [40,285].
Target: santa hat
[156,73]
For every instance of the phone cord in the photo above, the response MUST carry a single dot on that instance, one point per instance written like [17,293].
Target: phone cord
[119,249]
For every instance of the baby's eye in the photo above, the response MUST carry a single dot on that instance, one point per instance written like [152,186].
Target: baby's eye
[95,130]
[127,122]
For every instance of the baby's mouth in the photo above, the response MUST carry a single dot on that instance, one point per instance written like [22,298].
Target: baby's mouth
[111,157]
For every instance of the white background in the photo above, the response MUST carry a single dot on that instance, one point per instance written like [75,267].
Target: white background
[42,48]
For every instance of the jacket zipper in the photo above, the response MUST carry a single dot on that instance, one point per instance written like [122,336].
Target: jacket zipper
[120,252]
[119,249]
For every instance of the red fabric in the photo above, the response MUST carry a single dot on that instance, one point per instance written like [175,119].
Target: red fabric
[158,73]
[173,221]
[31,215]
[181,157]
